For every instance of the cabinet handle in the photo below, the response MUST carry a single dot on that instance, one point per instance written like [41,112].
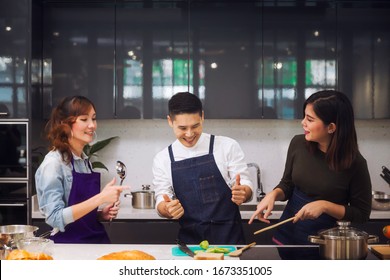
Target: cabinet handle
[13,204]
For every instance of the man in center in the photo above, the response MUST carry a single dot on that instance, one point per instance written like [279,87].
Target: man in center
[200,179]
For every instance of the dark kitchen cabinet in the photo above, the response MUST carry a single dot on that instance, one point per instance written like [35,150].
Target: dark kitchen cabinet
[157,231]
[14,58]
[262,58]
[165,231]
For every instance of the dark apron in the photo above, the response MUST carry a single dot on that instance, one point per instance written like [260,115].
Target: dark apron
[297,234]
[209,213]
[87,229]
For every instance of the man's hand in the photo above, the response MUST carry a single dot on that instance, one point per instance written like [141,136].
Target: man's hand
[173,207]
[240,193]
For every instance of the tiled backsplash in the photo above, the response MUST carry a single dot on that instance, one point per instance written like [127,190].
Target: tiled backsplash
[264,142]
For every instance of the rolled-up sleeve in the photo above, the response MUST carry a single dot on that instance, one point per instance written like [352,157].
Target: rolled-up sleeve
[51,192]
[162,178]
[236,164]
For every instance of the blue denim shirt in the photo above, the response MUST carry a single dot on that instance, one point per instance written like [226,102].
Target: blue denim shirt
[53,183]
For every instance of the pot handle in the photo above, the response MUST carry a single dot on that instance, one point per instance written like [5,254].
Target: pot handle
[316,239]
[372,239]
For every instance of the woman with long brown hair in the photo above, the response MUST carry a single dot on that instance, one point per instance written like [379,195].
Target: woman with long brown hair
[68,189]
[325,177]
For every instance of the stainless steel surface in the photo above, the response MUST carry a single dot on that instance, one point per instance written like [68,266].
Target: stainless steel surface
[121,170]
[380,201]
[11,234]
[260,194]
[144,199]
[343,242]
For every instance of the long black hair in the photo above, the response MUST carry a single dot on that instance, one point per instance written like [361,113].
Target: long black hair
[334,107]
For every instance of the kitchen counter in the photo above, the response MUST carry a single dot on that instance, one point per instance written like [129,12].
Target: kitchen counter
[127,212]
[164,252]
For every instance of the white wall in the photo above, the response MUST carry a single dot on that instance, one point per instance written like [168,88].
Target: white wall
[263,141]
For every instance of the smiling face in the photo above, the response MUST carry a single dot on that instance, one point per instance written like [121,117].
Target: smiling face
[187,128]
[83,130]
[316,130]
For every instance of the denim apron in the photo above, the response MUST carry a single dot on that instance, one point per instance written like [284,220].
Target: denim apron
[209,213]
[297,234]
[87,229]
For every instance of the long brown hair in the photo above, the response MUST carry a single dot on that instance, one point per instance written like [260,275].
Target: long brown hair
[59,127]
[334,107]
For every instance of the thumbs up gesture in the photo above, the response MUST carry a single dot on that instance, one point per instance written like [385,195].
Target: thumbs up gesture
[238,192]
[173,207]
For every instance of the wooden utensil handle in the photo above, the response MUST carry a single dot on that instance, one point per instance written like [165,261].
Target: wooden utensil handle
[274,226]
[248,246]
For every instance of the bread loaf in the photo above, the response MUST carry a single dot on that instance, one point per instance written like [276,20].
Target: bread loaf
[127,255]
[24,255]
[209,256]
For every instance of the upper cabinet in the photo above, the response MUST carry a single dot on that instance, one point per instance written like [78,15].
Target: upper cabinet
[14,53]
[244,59]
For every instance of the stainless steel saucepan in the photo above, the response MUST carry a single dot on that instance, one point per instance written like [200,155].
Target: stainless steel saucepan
[343,242]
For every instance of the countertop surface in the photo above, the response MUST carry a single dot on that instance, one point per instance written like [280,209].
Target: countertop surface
[127,212]
[164,252]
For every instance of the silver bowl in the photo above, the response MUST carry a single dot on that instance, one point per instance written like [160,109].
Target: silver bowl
[380,201]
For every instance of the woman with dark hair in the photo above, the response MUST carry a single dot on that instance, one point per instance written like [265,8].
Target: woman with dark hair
[68,190]
[325,177]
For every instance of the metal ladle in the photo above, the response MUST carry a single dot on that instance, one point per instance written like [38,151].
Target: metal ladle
[121,171]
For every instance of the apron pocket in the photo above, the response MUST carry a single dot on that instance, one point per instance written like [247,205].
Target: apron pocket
[208,189]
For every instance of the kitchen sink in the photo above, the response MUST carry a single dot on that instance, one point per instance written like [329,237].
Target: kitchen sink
[252,207]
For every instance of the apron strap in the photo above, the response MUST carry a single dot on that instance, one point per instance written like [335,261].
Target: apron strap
[171,153]
[211,148]
[88,163]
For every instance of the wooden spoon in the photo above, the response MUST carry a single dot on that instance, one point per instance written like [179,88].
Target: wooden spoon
[274,226]
[238,252]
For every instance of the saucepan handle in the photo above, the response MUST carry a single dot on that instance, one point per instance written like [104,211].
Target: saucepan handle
[372,239]
[316,239]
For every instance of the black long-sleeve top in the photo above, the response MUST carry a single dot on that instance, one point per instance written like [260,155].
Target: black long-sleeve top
[310,174]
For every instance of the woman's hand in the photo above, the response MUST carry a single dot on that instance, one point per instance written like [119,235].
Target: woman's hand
[310,211]
[314,209]
[264,208]
[110,211]
[111,192]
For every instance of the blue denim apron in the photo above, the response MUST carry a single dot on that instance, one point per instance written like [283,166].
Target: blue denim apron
[87,229]
[209,213]
[297,234]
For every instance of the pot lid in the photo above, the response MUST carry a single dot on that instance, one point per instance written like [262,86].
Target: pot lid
[343,231]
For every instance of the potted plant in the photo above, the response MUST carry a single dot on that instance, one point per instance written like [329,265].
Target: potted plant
[91,152]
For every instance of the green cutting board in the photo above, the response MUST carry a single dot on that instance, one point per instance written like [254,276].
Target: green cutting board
[177,252]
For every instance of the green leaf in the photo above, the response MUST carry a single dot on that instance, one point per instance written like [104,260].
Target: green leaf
[100,145]
[98,164]
[90,151]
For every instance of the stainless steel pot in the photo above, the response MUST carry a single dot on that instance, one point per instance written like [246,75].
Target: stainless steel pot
[343,242]
[11,234]
[380,201]
[143,199]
